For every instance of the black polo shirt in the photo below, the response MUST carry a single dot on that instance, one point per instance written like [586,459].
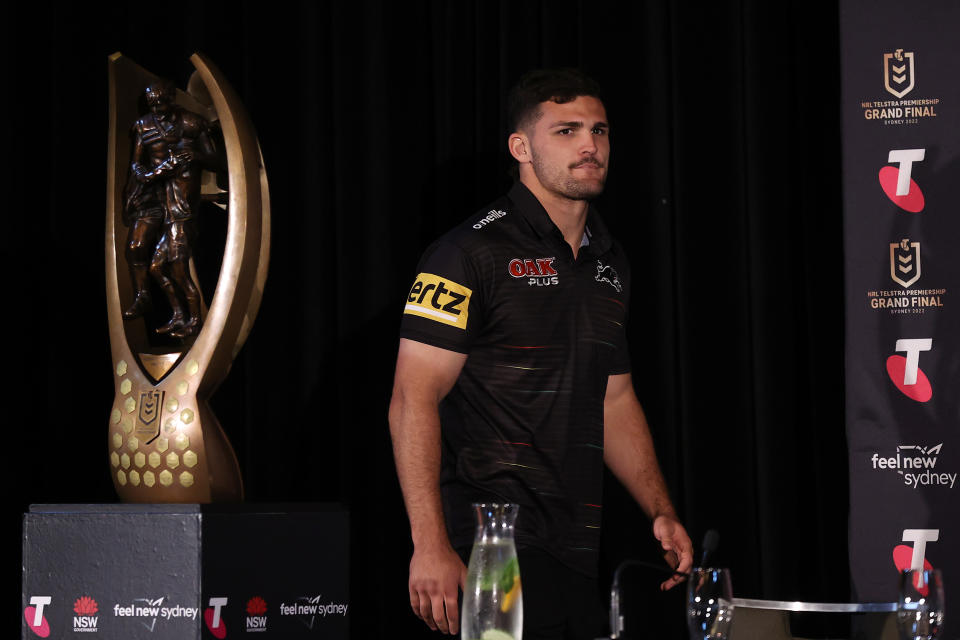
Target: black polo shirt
[524,421]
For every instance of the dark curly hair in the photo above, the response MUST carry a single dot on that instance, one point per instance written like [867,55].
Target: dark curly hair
[542,85]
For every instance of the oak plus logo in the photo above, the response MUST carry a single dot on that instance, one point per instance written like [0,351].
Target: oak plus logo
[905,371]
[85,621]
[898,72]
[256,614]
[917,465]
[213,617]
[539,272]
[33,614]
[308,608]
[897,182]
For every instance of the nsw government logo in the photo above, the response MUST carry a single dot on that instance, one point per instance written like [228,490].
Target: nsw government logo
[256,614]
[917,465]
[86,619]
[899,82]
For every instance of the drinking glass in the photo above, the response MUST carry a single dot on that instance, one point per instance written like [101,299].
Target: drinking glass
[920,608]
[709,604]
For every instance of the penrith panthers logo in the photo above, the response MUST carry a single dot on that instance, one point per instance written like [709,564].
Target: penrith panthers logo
[608,274]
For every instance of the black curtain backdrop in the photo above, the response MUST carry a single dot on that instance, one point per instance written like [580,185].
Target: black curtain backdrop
[381,126]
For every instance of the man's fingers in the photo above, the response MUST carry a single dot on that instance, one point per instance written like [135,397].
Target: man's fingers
[426,612]
[453,615]
[415,603]
[439,615]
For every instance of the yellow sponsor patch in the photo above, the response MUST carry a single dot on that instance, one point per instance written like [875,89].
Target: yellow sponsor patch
[439,299]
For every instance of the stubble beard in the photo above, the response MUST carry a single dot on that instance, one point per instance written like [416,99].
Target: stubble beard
[559,180]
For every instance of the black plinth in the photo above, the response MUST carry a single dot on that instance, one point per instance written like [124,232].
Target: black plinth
[185,571]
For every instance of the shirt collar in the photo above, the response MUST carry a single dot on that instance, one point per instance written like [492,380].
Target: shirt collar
[529,207]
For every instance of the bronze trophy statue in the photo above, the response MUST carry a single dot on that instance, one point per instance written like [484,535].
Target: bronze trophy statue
[165,444]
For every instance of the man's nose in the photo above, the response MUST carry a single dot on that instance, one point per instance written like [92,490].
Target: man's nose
[589,144]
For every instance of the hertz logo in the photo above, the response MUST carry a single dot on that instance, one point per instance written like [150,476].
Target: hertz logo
[439,299]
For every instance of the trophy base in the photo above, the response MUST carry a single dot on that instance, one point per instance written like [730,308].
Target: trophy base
[167,571]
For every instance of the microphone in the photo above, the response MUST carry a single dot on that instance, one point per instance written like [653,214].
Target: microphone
[711,540]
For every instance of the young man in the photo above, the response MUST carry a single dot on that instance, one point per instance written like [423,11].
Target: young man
[513,340]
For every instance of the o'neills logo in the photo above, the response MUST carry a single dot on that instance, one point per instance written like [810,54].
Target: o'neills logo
[85,621]
[538,271]
[915,556]
[307,609]
[494,214]
[905,262]
[905,372]
[33,615]
[256,614]
[917,465]
[898,72]
[897,182]
[899,79]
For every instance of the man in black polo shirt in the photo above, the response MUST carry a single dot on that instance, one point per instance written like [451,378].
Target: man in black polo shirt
[513,339]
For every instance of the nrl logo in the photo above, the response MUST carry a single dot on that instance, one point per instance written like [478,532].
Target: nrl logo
[898,72]
[149,415]
[609,275]
[905,262]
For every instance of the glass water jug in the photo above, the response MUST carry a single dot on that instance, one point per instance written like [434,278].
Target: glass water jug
[492,599]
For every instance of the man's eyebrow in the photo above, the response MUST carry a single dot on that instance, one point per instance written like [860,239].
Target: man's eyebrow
[576,124]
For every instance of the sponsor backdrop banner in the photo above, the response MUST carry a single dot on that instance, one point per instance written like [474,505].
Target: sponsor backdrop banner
[901,146]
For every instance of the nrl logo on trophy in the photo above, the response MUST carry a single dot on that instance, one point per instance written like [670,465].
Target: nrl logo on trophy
[177,158]
[905,262]
[898,72]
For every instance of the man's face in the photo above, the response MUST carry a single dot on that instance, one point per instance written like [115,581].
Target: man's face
[570,147]
[158,98]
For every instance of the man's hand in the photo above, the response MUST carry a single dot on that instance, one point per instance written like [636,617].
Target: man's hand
[435,575]
[676,543]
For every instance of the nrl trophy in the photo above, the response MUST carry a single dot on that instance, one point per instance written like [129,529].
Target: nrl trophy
[173,157]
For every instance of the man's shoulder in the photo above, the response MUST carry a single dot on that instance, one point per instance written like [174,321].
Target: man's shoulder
[487,227]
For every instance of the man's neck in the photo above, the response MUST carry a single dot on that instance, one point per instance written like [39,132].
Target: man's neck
[569,215]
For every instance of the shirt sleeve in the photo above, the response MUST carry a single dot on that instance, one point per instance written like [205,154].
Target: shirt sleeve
[620,362]
[442,307]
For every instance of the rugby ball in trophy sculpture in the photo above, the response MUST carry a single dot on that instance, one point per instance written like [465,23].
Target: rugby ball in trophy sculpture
[173,157]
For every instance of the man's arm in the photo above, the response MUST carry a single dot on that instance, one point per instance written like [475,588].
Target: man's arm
[628,451]
[424,375]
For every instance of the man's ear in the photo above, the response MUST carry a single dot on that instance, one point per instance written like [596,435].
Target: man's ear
[519,147]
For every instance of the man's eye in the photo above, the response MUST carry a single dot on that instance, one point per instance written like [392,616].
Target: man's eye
[565,132]
[599,131]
